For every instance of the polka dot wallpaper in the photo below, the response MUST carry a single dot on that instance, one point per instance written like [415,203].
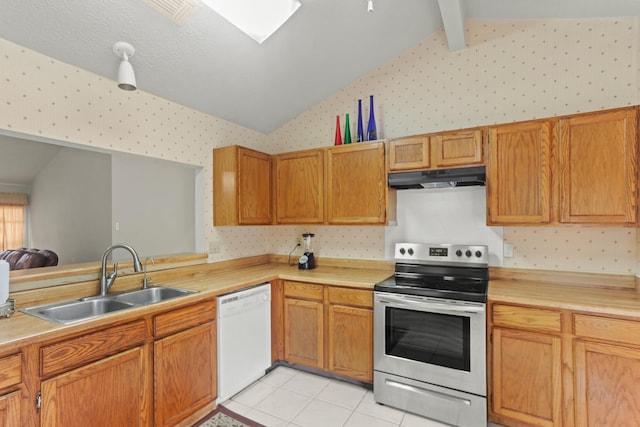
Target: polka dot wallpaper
[47,98]
[510,71]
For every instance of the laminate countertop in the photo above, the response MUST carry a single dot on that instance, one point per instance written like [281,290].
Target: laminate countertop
[592,299]
[21,329]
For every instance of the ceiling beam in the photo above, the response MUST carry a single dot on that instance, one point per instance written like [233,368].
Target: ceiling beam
[454,23]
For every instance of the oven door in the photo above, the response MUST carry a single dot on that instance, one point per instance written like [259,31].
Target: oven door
[437,341]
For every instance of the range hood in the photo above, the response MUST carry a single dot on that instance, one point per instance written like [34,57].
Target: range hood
[455,177]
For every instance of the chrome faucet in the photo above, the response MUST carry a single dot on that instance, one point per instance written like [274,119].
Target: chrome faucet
[107,281]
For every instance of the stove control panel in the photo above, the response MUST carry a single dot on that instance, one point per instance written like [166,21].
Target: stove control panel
[427,253]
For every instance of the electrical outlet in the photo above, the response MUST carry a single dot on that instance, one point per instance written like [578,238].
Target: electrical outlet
[299,240]
[214,247]
[508,250]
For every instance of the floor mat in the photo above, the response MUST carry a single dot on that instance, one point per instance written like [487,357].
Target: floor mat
[223,417]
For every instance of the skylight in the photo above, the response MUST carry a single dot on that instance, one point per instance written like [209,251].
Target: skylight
[256,18]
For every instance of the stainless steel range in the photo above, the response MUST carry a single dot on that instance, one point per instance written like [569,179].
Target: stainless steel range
[430,333]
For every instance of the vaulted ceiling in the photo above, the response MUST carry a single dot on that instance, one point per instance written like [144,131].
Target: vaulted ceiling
[207,64]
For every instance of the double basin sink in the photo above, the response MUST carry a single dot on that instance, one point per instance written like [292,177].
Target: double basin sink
[65,312]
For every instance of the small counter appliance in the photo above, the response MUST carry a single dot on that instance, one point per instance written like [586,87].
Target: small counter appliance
[308,260]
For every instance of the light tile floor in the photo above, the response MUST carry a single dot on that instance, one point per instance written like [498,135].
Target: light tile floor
[287,397]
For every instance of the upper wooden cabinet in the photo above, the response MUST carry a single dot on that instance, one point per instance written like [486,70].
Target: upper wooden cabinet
[579,169]
[598,168]
[356,184]
[519,173]
[443,150]
[410,153]
[459,148]
[299,187]
[241,186]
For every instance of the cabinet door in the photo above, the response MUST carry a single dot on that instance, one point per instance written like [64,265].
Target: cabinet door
[254,187]
[351,342]
[185,373]
[10,410]
[356,187]
[111,392]
[607,384]
[526,384]
[409,153]
[457,148]
[299,187]
[598,170]
[303,332]
[519,174]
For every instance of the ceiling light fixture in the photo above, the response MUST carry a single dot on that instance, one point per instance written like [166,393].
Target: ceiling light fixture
[370,6]
[126,76]
[258,19]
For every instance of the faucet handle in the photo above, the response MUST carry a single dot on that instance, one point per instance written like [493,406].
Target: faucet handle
[111,277]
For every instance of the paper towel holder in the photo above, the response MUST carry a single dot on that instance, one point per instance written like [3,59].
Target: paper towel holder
[8,308]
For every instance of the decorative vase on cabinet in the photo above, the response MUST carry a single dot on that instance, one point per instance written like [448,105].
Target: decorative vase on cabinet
[360,134]
[347,130]
[372,134]
[338,138]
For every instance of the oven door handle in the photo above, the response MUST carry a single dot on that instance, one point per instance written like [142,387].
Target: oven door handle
[427,306]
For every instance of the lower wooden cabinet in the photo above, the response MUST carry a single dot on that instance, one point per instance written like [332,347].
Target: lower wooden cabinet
[157,370]
[607,384]
[351,342]
[107,393]
[552,367]
[303,327]
[526,377]
[185,378]
[328,328]
[10,394]
[303,332]
[10,409]
[184,373]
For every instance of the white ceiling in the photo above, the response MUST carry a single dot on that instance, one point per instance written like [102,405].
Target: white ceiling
[209,65]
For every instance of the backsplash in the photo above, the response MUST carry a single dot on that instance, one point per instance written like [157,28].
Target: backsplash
[585,249]
[510,71]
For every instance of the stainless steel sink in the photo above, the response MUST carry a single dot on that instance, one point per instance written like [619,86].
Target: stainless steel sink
[82,309]
[76,310]
[151,295]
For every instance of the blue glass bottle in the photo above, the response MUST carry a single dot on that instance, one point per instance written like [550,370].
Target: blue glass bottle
[360,134]
[372,134]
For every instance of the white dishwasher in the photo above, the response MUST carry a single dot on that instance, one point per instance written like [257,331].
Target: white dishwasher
[244,338]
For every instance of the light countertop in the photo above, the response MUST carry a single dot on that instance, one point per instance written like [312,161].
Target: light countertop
[21,329]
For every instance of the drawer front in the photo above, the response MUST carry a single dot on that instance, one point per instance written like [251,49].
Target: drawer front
[79,351]
[351,297]
[184,318]
[10,370]
[304,290]
[535,319]
[603,328]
